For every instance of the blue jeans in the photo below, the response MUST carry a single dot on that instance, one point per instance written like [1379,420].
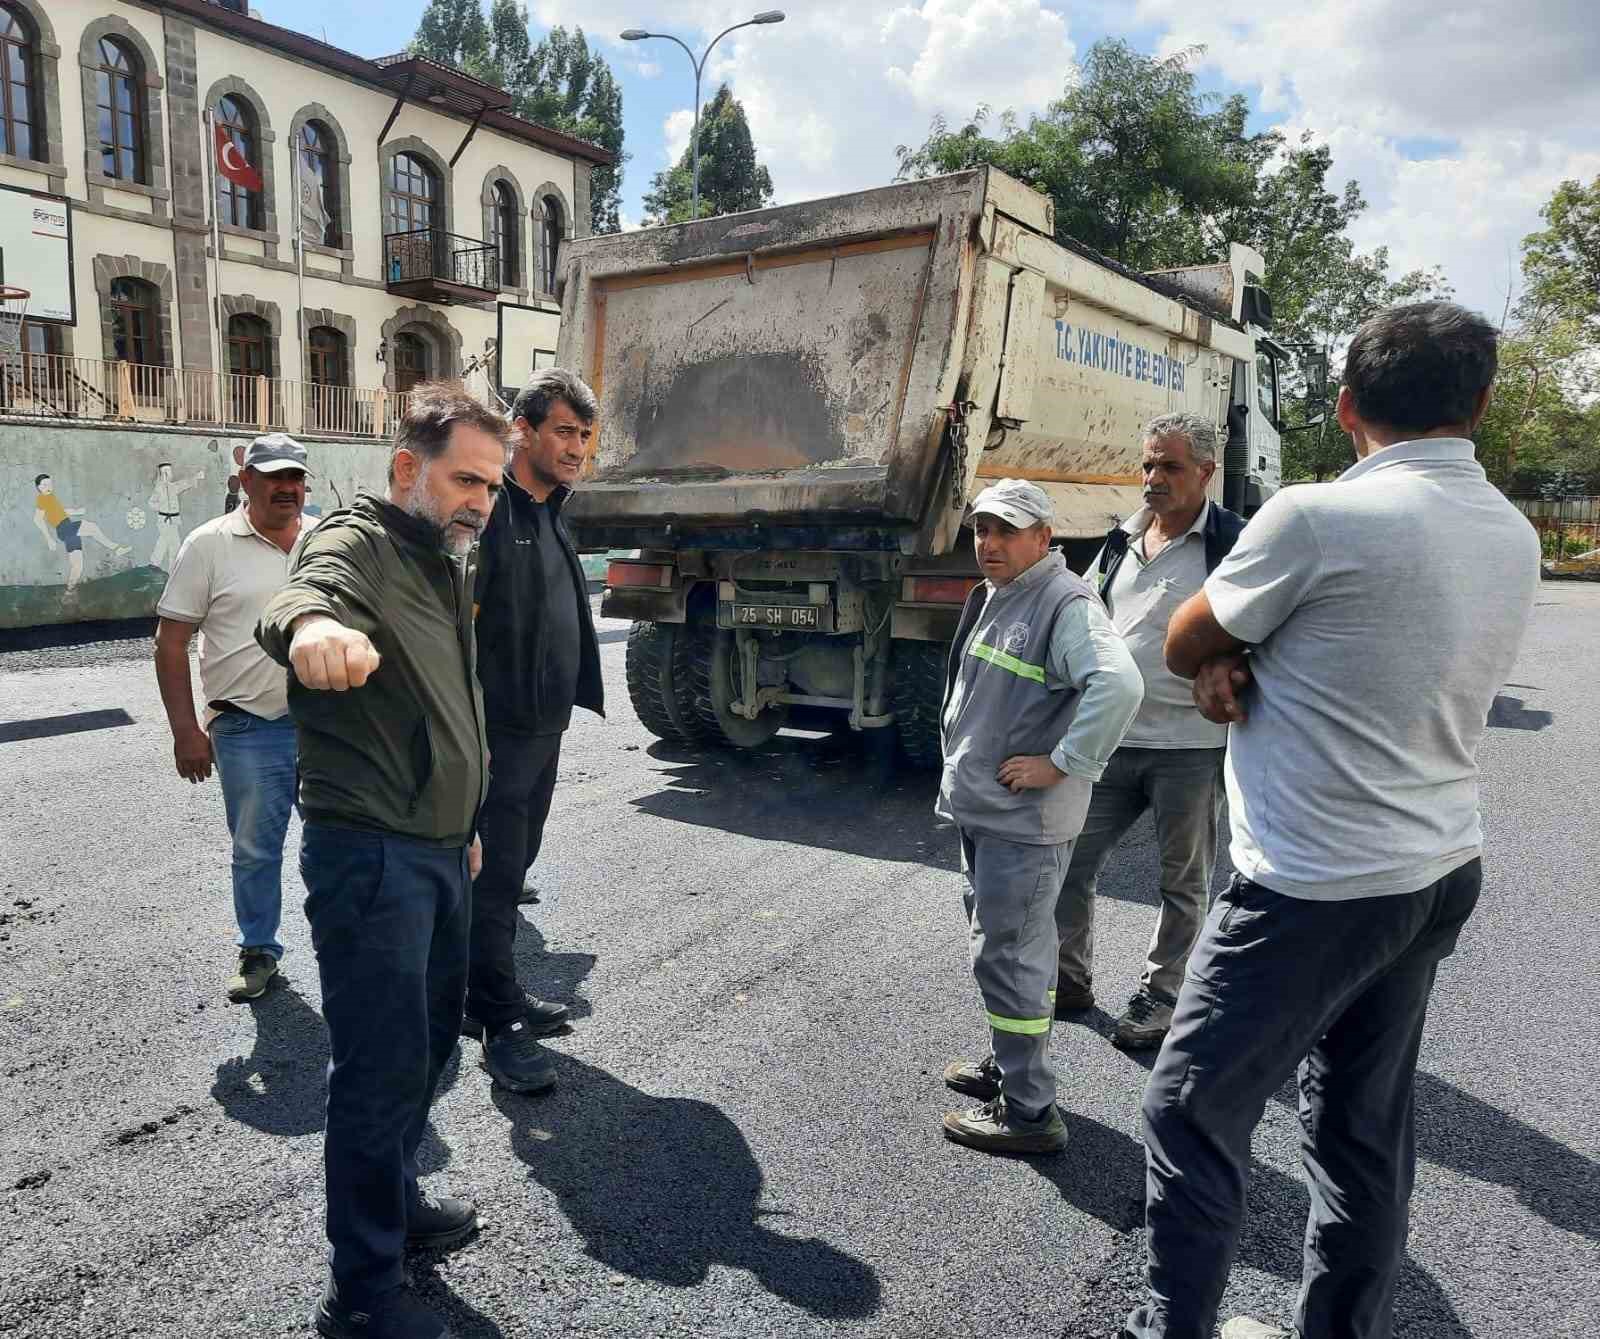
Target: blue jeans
[256,761]
[389,920]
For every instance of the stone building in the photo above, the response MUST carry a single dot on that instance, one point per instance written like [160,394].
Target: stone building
[428,205]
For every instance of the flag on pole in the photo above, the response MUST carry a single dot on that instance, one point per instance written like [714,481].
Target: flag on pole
[232,164]
[313,208]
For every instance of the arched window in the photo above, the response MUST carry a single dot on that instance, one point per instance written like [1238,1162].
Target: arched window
[20,134]
[319,184]
[551,231]
[135,329]
[248,346]
[412,196]
[505,233]
[239,205]
[413,360]
[330,361]
[120,98]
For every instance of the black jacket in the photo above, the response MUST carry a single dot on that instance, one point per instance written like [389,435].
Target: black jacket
[404,752]
[511,599]
[1221,532]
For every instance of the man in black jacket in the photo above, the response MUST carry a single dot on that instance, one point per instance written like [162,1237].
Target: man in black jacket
[538,658]
[1170,760]
[375,625]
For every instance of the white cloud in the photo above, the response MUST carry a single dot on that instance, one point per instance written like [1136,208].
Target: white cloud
[1457,126]
[832,90]
[675,131]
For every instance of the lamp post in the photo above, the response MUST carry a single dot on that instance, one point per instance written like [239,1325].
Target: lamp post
[639,34]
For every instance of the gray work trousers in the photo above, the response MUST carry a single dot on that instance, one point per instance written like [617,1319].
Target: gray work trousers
[1010,902]
[1184,788]
[1341,990]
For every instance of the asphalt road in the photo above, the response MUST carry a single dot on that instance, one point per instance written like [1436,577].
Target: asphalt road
[765,959]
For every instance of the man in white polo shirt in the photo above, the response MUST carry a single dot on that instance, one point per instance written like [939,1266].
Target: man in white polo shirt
[225,573]
[1355,639]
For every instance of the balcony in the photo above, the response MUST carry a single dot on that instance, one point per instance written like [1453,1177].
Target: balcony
[430,265]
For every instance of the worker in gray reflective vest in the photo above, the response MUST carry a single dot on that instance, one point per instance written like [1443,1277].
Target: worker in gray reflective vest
[1039,691]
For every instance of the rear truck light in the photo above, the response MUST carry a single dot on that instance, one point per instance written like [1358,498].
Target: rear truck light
[656,575]
[936,590]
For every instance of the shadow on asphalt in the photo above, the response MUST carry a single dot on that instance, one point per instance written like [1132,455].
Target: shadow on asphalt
[466,1321]
[664,1188]
[835,792]
[1508,713]
[281,1087]
[550,976]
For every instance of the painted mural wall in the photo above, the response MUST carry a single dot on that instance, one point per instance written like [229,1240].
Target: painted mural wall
[91,518]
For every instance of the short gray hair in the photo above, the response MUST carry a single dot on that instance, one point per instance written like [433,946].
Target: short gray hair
[549,386]
[1200,432]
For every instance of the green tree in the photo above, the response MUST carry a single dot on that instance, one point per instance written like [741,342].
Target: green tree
[1133,155]
[1561,263]
[732,179]
[559,82]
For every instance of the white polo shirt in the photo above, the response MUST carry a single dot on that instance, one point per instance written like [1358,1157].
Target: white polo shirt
[1142,597]
[225,573]
[1386,610]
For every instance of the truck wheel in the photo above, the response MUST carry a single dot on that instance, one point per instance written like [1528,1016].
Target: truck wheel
[713,656]
[660,682]
[917,694]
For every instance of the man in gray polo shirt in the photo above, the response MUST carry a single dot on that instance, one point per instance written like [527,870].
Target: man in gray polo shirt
[1355,639]
[1170,761]
[226,571]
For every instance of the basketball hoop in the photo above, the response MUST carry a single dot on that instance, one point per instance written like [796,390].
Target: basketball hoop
[13,307]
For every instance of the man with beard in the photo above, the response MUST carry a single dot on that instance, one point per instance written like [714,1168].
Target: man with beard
[375,624]
[225,573]
[538,659]
[1170,761]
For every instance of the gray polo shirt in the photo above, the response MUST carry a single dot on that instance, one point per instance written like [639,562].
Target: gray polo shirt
[1142,597]
[1386,609]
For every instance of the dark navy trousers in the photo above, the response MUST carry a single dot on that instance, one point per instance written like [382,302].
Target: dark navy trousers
[1339,989]
[389,920]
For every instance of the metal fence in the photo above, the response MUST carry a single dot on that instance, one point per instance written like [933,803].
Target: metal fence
[1567,526]
[55,387]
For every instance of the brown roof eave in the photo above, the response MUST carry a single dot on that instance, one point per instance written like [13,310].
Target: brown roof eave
[364,71]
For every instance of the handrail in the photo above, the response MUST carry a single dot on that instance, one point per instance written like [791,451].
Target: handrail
[60,387]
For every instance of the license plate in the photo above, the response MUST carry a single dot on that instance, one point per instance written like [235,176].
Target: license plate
[775,615]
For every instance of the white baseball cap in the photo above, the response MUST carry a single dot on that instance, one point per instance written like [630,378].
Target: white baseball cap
[1016,502]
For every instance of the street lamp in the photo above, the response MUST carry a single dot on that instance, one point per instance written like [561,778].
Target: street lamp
[639,34]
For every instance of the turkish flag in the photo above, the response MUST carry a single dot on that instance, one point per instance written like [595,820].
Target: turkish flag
[231,162]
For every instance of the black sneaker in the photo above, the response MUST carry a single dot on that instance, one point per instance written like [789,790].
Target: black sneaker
[437,1222]
[516,1061]
[396,1314]
[544,1018]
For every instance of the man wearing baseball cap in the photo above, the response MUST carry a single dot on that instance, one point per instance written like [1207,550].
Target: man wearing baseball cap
[1039,691]
[226,571]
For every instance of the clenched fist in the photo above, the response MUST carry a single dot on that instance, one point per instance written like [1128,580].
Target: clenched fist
[327,655]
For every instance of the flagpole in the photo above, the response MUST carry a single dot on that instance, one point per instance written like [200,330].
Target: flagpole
[216,256]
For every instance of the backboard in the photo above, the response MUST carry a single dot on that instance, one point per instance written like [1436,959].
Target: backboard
[36,252]
[526,342]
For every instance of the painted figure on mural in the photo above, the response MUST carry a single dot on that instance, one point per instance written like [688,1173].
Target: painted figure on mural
[231,501]
[66,526]
[164,500]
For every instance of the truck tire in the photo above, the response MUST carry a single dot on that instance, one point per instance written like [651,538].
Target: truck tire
[917,694]
[660,682]
[711,655]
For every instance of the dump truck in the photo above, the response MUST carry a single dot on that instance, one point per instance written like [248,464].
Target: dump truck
[798,404]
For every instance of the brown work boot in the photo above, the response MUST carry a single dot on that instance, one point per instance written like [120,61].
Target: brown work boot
[992,1129]
[975,1078]
[256,969]
[1144,1023]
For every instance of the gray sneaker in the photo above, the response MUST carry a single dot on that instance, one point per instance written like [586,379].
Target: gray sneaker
[993,1129]
[1243,1327]
[256,969]
[1144,1022]
[975,1078]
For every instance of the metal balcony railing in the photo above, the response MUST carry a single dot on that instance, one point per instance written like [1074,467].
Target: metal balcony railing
[432,260]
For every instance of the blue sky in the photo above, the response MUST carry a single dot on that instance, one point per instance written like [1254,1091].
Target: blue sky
[1457,129]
